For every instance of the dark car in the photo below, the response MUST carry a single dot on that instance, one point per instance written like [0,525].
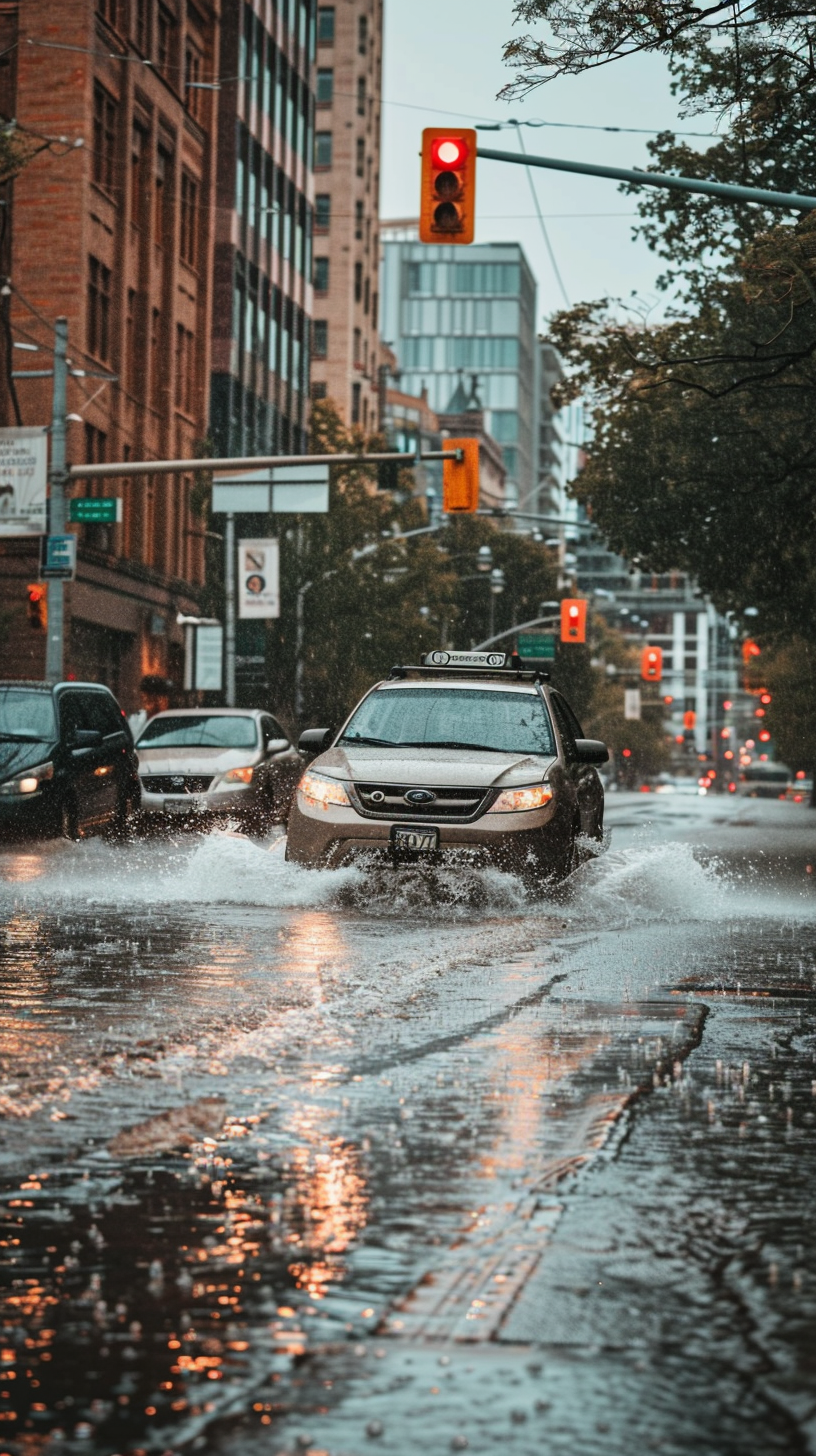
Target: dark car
[67,762]
[468,757]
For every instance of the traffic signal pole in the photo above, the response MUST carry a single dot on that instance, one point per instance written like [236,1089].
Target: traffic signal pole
[57,477]
[728,191]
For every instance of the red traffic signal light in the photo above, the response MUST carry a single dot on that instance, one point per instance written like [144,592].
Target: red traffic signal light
[689,720]
[38,605]
[573,619]
[460,480]
[651,664]
[447,204]
[749,650]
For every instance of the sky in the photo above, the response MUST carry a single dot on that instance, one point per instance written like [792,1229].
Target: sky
[448,54]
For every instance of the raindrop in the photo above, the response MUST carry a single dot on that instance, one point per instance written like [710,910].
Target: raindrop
[459,1443]
[374,1429]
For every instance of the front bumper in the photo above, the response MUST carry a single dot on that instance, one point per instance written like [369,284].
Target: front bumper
[226,803]
[532,841]
[28,814]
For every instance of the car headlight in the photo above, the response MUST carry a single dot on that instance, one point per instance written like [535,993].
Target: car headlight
[512,800]
[29,782]
[321,792]
[238,776]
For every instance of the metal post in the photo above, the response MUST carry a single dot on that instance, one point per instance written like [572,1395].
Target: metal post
[229,632]
[299,633]
[54,649]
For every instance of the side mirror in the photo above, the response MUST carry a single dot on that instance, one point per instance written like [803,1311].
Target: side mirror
[314,740]
[277,745]
[86,738]
[591,751]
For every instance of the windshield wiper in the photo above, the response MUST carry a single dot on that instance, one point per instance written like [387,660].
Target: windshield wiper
[377,742]
[21,738]
[454,743]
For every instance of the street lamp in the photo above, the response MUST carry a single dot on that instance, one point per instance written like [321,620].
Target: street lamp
[484,558]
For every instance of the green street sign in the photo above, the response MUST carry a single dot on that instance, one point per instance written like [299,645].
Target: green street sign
[537,644]
[99,508]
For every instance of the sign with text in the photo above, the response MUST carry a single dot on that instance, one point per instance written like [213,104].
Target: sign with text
[95,508]
[58,558]
[258,579]
[23,481]
[537,644]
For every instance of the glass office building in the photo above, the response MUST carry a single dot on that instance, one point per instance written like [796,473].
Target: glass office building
[450,313]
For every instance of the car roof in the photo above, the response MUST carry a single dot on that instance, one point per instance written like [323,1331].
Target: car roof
[492,684]
[211,713]
[45,687]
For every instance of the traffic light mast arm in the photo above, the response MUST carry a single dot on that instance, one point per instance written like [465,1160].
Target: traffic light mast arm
[729,191]
[248,462]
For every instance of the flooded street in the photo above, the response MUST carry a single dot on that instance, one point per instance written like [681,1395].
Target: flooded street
[297,1161]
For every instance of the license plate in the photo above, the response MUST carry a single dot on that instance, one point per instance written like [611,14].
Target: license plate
[178,806]
[414,839]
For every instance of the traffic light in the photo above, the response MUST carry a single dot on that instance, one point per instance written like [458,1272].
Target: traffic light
[460,480]
[689,720]
[651,664]
[750,650]
[447,208]
[573,619]
[38,605]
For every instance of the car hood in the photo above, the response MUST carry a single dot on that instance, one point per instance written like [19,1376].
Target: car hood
[14,757]
[194,760]
[452,767]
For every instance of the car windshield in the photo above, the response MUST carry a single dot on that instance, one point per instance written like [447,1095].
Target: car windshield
[204,730]
[766,773]
[455,717]
[26,714]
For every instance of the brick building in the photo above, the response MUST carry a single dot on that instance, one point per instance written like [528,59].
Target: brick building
[113,230]
[345,353]
[263,252]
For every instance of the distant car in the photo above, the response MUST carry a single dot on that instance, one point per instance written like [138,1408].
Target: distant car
[229,762]
[764,781]
[800,791]
[67,763]
[467,758]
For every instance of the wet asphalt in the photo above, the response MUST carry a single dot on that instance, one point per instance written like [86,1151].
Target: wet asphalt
[335,1163]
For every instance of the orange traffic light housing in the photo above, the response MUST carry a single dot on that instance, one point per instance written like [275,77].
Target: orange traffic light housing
[651,664]
[689,720]
[460,479]
[573,619]
[447,205]
[38,605]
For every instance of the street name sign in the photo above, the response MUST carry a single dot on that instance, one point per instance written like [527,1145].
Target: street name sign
[58,557]
[102,508]
[537,644]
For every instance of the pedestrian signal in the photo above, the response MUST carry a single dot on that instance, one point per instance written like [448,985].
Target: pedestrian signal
[573,619]
[460,478]
[447,207]
[749,650]
[651,664]
[38,605]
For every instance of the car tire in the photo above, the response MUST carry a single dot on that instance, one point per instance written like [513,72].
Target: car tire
[68,822]
[120,827]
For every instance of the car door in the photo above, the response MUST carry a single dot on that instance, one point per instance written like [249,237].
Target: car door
[91,765]
[587,782]
[113,769]
[283,764]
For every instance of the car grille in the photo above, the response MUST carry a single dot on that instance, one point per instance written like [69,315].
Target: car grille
[449,803]
[176,783]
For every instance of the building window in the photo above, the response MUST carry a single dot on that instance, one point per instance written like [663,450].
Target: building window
[130,340]
[160,197]
[189,211]
[375,299]
[108,10]
[366,296]
[325,25]
[358,221]
[165,38]
[360,157]
[322,212]
[185,369]
[319,390]
[321,275]
[361,96]
[358,348]
[192,79]
[96,445]
[141,27]
[320,338]
[325,86]
[362,35]
[155,356]
[358,282]
[323,149]
[98,327]
[104,137]
[356,393]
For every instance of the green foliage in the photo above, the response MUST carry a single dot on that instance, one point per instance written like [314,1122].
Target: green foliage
[790,677]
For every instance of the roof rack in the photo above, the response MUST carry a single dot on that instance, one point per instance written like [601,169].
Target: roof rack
[509,674]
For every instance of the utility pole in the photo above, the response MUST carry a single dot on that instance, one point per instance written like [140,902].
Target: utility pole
[57,477]
[229,615]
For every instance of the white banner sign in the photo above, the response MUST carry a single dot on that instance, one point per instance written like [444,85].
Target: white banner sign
[631,704]
[209,650]
[258,579]
[23,481]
